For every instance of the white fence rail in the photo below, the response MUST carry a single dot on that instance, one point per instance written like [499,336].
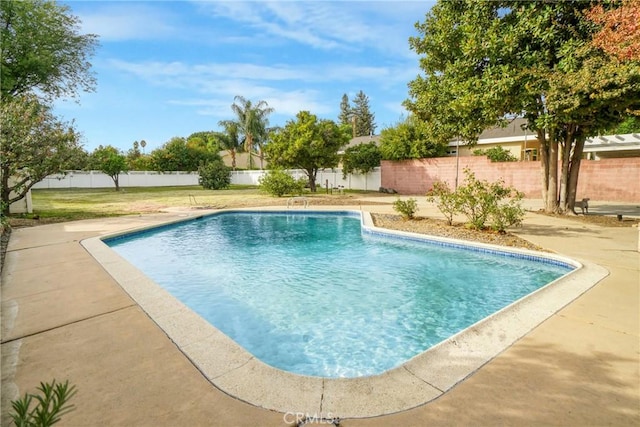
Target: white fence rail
[97,179]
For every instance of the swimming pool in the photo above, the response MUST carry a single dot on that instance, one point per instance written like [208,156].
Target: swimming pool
[427,376]
[310,293]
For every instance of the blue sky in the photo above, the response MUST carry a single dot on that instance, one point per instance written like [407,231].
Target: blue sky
[171,68]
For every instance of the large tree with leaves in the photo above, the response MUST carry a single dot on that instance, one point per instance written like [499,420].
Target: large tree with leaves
[33,144]
[43,57]
[306,143]
[110,161]
[43,50]
[410,139]
[178,154]
[486,61]
[253,122]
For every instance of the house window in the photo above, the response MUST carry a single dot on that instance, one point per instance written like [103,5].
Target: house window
[530,154]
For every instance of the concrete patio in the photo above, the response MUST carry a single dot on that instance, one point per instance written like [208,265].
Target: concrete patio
[64,317]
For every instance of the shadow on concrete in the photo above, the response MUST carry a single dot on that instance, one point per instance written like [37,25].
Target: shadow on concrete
[615,209]
[534,385]
[556,230]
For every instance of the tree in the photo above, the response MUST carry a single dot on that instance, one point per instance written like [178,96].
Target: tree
[364,119]
[110,161]
[410,139]
[33,144]
[361,158]
[180,155]
[207,138]
[252,120]
[43,51]
[619,35]
[230,139]
[345,111]
[629,125]
[486,61]
[215,175]
[306,143]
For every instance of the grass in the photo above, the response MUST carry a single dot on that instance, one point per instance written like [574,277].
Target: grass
[70,204]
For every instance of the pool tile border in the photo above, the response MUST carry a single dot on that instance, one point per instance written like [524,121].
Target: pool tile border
[421,379]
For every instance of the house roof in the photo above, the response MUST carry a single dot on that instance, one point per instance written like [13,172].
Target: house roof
[513,129]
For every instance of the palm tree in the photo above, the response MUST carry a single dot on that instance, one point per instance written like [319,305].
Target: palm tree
[230,139]
[252,123]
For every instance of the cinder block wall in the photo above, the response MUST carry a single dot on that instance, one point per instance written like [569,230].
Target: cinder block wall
[606,179]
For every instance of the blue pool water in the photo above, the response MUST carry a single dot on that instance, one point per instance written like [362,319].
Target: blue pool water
[311,293]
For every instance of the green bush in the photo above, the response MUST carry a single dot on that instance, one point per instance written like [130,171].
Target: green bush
[406,208]
[508,214]
[49,408]
[446,200]
[215,175]
[481,202]
[496,154]
[278,183]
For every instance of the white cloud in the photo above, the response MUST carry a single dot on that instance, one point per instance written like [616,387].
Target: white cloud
[326,25]
[128,21]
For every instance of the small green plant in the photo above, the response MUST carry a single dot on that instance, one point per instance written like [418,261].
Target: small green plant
[496,154]
[278,183]
[406,208]
[508,214]
[446,200]
[215,175]
[480,201]
[51,405]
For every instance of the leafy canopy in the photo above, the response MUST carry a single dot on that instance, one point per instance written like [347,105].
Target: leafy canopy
[306,143]
[361,158]
[110,161]
[181,155]
[410,139]
[33,144]
[43,50]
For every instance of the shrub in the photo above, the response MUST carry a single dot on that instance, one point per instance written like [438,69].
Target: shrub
[508,214]
[480,201]
[215,175]
[406,208]
[50,406]
[446,200]
[278,183]
[496,154]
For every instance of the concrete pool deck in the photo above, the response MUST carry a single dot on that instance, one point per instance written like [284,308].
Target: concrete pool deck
[581,366]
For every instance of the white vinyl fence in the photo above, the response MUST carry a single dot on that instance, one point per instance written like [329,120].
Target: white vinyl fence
[97,179]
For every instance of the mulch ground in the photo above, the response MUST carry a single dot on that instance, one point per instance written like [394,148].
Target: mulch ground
[441,228]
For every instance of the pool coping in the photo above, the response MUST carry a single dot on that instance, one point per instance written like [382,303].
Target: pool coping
[423,378]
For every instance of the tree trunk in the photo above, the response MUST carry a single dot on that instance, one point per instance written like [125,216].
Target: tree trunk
[5,192]
[233,159]
[116,181]
[574,172]
[549,170]
[544,166]
[311,173]
[564,172]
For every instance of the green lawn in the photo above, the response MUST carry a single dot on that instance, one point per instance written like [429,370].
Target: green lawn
[79,203]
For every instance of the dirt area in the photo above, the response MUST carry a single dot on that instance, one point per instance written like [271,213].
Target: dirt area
[437,227]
